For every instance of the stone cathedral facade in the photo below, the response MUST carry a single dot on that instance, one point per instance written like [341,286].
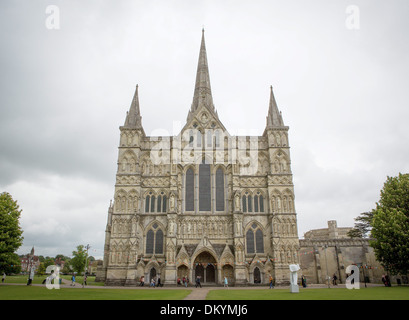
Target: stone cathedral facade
[202,203]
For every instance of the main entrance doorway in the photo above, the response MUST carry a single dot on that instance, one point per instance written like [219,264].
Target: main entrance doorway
[205,268]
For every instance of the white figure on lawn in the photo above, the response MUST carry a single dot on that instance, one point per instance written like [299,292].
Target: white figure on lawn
[294,268]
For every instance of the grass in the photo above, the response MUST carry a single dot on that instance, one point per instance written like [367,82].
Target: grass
[21,292]
[78,279]
[370,293]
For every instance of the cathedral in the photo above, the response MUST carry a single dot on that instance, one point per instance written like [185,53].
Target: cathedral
[203,203]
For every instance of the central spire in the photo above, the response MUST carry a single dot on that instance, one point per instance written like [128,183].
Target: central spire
[203,92]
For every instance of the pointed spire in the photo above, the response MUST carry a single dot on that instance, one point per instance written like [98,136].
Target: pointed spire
[274,118]
[133,117]
[203,92]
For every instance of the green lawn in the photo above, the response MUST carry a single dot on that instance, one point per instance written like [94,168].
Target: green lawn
[370,293]
[21,292]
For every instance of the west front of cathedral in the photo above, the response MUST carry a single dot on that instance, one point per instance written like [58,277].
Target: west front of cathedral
[203,203]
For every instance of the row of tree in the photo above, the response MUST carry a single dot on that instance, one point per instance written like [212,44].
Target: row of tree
[11,238]
[76,263]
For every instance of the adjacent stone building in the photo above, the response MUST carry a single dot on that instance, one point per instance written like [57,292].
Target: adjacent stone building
[328,251]
[202,203]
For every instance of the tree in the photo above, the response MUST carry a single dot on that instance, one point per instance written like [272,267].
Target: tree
[363,225]
[390,225]
[62,257]
[10,233]
[67,267]
[43,265]
[78,259]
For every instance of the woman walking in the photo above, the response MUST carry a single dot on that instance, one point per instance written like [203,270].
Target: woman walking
[271,282]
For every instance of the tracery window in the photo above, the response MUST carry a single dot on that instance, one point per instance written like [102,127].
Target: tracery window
[204,191]
[154,240]
[155,204]
[254,239]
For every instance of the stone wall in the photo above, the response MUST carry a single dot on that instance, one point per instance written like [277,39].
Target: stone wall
[329,251]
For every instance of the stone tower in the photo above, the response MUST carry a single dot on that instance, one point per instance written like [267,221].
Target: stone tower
[203,203]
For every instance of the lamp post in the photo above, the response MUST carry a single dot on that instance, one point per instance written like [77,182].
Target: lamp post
[31,269]
[85,267]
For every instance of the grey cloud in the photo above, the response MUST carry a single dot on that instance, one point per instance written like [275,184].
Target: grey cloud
[64,93]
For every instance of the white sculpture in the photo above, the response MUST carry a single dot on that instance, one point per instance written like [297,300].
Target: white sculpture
[294,268]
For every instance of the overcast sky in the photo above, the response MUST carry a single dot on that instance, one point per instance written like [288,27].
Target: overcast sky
[342,88]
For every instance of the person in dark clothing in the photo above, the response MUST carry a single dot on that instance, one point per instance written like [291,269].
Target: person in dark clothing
[303,281]
[198,282]
[334,279]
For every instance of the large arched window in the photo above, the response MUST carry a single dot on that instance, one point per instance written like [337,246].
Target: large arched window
[219,189]
[154,240]
[204,187]
[254,239]
[190,190]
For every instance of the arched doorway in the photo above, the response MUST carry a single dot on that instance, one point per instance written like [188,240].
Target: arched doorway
[228,272]
[183,271]
[257,275]
[152,274]
[205,267]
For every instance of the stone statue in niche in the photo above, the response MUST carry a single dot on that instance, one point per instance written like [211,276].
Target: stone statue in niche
[237,201]
[172,203]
